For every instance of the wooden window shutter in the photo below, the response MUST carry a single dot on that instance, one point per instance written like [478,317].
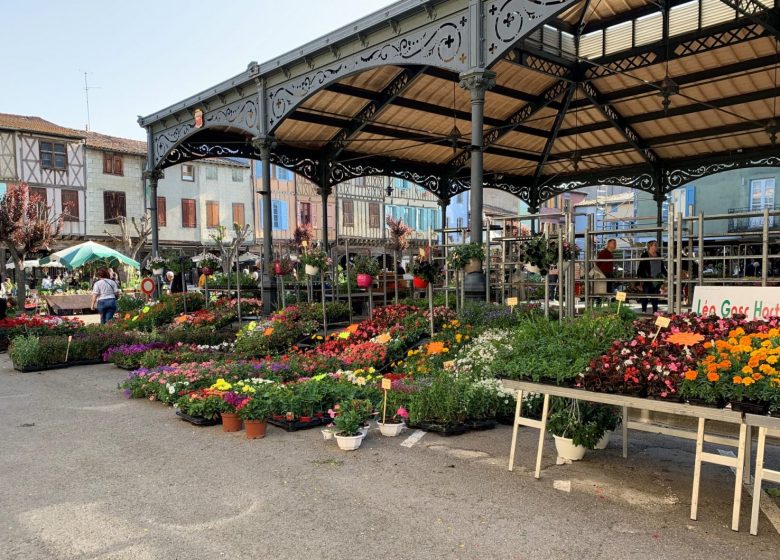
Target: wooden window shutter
[118,165]
[238,214]
[188,216]
[121,204]
[70,205]
[212,213]
[162,212]
[107,207]
[108,166]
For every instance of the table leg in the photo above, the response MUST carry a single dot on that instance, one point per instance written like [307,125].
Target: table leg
[746,477]
[697,469]
[542,430]
[625,432]
[757,479]
[518,414]
[741,460]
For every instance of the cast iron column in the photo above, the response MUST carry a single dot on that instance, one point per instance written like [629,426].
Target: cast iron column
[443,203]
[477,81]
[154,177]
[269,292]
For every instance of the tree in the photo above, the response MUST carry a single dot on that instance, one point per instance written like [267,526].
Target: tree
[228,249]
[27,225]
[132,244]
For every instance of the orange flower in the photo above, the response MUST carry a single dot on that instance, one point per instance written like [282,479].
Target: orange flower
[268,331]
[691,375]
[753,361]
[352,328]
[435,348]
[383,338]
[713,377]
[737,380]
[757,376]
[180,319]
[685,338]
[711,368]
[747,370]
[747,381]
[127,316]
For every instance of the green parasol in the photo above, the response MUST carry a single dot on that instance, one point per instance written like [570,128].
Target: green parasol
[79,255]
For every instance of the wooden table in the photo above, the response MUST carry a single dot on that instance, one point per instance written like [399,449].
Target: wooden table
[741,462]
[68,303]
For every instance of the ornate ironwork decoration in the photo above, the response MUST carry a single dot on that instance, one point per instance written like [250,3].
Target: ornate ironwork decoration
[680,176]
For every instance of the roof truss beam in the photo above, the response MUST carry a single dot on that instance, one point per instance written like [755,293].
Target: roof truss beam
[755,11]
[390,93]
[554,132]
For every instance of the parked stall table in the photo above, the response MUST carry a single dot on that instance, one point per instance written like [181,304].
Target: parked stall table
[702,413]
[67,304]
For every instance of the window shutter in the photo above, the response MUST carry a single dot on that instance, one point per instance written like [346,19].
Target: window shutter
[106,207]
[118,168]
[107,164]
[690,200]
[162,212]
[70,205]
[283,215]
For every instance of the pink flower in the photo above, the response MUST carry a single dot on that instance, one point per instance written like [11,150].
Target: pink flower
[402,412]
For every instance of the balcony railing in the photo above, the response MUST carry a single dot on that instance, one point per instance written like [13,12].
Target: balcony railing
[751,223]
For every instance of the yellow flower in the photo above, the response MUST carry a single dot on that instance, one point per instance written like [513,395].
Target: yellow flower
[747,370]
[746,381]
[344,335]
[772,359]
[458,338]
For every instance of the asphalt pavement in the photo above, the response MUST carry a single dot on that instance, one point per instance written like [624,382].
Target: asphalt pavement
[86,474]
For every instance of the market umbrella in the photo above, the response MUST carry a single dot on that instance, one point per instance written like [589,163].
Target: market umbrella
[247,257]
[79,255]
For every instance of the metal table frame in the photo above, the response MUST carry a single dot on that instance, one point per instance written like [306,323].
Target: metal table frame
[702,413]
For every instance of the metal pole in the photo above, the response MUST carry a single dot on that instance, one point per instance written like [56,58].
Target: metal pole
[349,284]
[502,276]
[487,263]
[700,233]
[588,250]
[765,247]
[395,274]
[561,290]
[324,308]
[678,258]
[238,292]
[670,264]
[267,295]
[477,82]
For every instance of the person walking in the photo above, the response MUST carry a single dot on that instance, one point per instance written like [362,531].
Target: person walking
[650,270]
[4,295]
[605,261]
[104,294]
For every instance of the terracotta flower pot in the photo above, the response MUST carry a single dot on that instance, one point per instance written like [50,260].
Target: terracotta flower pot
[231,422]
[304,419]
[255,429]
[474,265]
[312,270]
[364,281]
[420,283]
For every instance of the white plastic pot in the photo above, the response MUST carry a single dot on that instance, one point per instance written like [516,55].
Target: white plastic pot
[391,430]
[567,450]
[312,270]
[157,271]
[604,441]
[349,443]
[327,433]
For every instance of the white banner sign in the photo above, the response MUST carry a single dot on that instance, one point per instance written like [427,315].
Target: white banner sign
[725,301]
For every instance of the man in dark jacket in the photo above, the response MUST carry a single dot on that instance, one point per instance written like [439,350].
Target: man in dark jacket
[650,269]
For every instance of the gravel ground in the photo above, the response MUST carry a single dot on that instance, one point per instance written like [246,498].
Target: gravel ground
[88,475]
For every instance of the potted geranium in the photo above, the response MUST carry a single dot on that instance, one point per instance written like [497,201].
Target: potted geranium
[314,260]
[468,257]
[233,403]
[366,268]
[255,413]
[425,271]
[283,267]
[540,253]
[209,264]
[349,422]
[156,264]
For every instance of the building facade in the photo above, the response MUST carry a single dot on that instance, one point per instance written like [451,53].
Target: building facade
[51,160]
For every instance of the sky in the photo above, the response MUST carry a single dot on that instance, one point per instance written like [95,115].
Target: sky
[143,55]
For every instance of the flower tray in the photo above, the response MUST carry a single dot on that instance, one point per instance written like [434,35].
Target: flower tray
[198,420]
[478,425]
[441,429]
[749,407]
[295,425]
[720,403]
[505,420]
[74,363]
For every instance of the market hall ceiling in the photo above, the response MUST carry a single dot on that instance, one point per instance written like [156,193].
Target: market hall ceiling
[628,92]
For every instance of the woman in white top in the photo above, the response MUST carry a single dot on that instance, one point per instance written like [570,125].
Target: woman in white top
[104,294]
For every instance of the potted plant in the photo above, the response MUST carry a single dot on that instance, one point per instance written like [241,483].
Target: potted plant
[209,264]
[425,271]
[255,413]
[573,431]
[157,265]
[314,260]
[394,421]
[540,253]
[348,422]
[366,267]
[233,402]
[283,267]
[468,257]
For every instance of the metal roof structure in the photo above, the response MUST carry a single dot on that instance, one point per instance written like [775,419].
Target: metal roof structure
[533,97]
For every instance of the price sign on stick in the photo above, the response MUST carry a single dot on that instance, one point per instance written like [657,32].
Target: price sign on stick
[620,297]
[304,243]
[511,302]
[386,384]
[67,350]
[661,323]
